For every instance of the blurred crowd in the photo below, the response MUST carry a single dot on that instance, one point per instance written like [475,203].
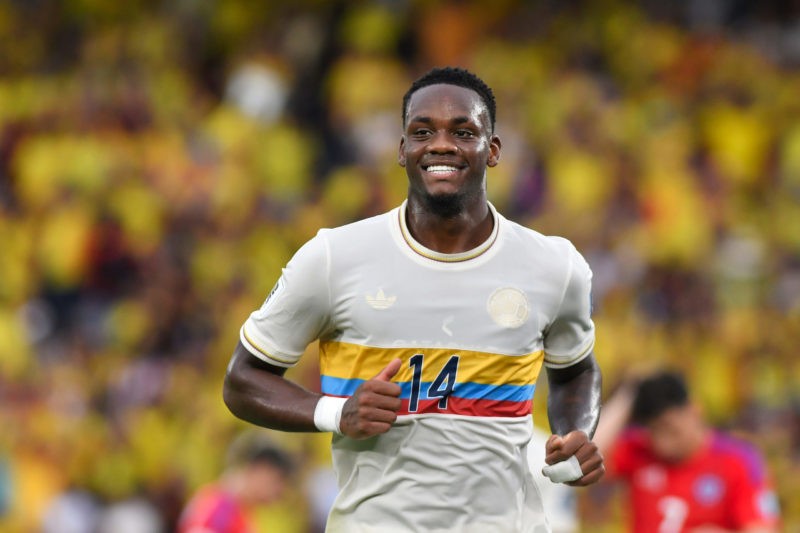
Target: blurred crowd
[161,161]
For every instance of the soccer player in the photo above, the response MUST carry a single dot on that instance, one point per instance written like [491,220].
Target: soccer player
[682,474]
[256,474]
[434,320]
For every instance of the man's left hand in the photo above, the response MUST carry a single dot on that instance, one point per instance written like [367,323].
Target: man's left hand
[577,443]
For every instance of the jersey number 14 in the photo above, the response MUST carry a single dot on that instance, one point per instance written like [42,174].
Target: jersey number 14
[440,388]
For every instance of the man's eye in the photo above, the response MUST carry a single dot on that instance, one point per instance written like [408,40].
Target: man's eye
[464,133]
[422,133]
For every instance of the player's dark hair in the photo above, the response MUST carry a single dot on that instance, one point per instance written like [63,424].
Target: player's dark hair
[453,76]
[658,393]
[275,457]
[251,448]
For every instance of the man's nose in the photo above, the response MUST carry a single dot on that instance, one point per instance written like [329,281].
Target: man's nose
[442,143]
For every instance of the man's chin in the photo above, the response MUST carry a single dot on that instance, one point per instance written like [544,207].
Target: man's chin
[445,205]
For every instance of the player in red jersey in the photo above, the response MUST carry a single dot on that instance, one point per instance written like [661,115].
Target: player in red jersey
[257,474]
[682,475]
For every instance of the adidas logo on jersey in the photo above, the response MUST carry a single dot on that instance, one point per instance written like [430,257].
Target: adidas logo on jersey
[380,301]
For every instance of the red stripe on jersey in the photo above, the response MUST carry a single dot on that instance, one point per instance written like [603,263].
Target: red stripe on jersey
[470,407]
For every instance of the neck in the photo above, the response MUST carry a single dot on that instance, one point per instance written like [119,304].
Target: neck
[698,444]
[450,233]
[703,437]
[234,484]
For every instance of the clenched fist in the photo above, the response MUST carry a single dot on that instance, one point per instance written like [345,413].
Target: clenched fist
[373,408]
[577,444]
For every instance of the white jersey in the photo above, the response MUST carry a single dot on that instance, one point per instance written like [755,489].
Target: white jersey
[472,329]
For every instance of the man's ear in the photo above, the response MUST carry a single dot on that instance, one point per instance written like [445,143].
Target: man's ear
[494,151]
[401,153]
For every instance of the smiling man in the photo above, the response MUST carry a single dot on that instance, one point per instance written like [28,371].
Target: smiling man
[448,143]
[434,320]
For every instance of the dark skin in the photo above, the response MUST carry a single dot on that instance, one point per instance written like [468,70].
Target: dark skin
[448,126]
[257,392]
[447,144]
[573,409]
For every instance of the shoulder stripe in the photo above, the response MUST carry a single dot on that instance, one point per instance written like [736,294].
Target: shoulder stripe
[261,353]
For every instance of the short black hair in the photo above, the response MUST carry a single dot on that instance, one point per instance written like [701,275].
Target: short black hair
[453,76]
[658,393]
[255,447]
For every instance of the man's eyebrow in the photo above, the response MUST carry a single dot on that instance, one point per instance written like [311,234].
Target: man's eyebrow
[423,119]
[428,120]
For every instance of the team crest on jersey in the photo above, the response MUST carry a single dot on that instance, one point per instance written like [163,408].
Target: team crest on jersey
[709,489]
[767,504]
[508,307]
[380,301]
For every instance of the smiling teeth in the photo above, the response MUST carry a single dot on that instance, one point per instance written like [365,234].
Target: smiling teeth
[443,169]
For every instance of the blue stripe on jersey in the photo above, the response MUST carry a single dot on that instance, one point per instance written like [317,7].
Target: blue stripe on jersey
[481,391]
[473,391]
[339,386]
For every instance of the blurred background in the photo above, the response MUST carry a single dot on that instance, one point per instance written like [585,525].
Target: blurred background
[161,161]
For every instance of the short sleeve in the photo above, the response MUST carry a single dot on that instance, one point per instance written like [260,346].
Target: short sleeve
[296,311]
[570,336]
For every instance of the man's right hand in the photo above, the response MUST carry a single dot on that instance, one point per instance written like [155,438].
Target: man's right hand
[373,408]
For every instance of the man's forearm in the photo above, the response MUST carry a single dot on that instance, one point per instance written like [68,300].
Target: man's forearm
[259,394]
[574,398]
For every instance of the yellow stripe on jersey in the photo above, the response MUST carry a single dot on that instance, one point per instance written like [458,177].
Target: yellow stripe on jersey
[352,361]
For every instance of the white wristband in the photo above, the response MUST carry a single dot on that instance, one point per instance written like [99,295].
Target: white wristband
[328,413]
[564,471]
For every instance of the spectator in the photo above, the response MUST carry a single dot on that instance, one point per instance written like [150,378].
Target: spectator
[682,474]
[257,474]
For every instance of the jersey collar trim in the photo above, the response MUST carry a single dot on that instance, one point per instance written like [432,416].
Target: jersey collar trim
[442,257]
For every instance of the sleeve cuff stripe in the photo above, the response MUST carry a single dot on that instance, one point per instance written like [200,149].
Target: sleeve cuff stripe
[551,363]
[264,352]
